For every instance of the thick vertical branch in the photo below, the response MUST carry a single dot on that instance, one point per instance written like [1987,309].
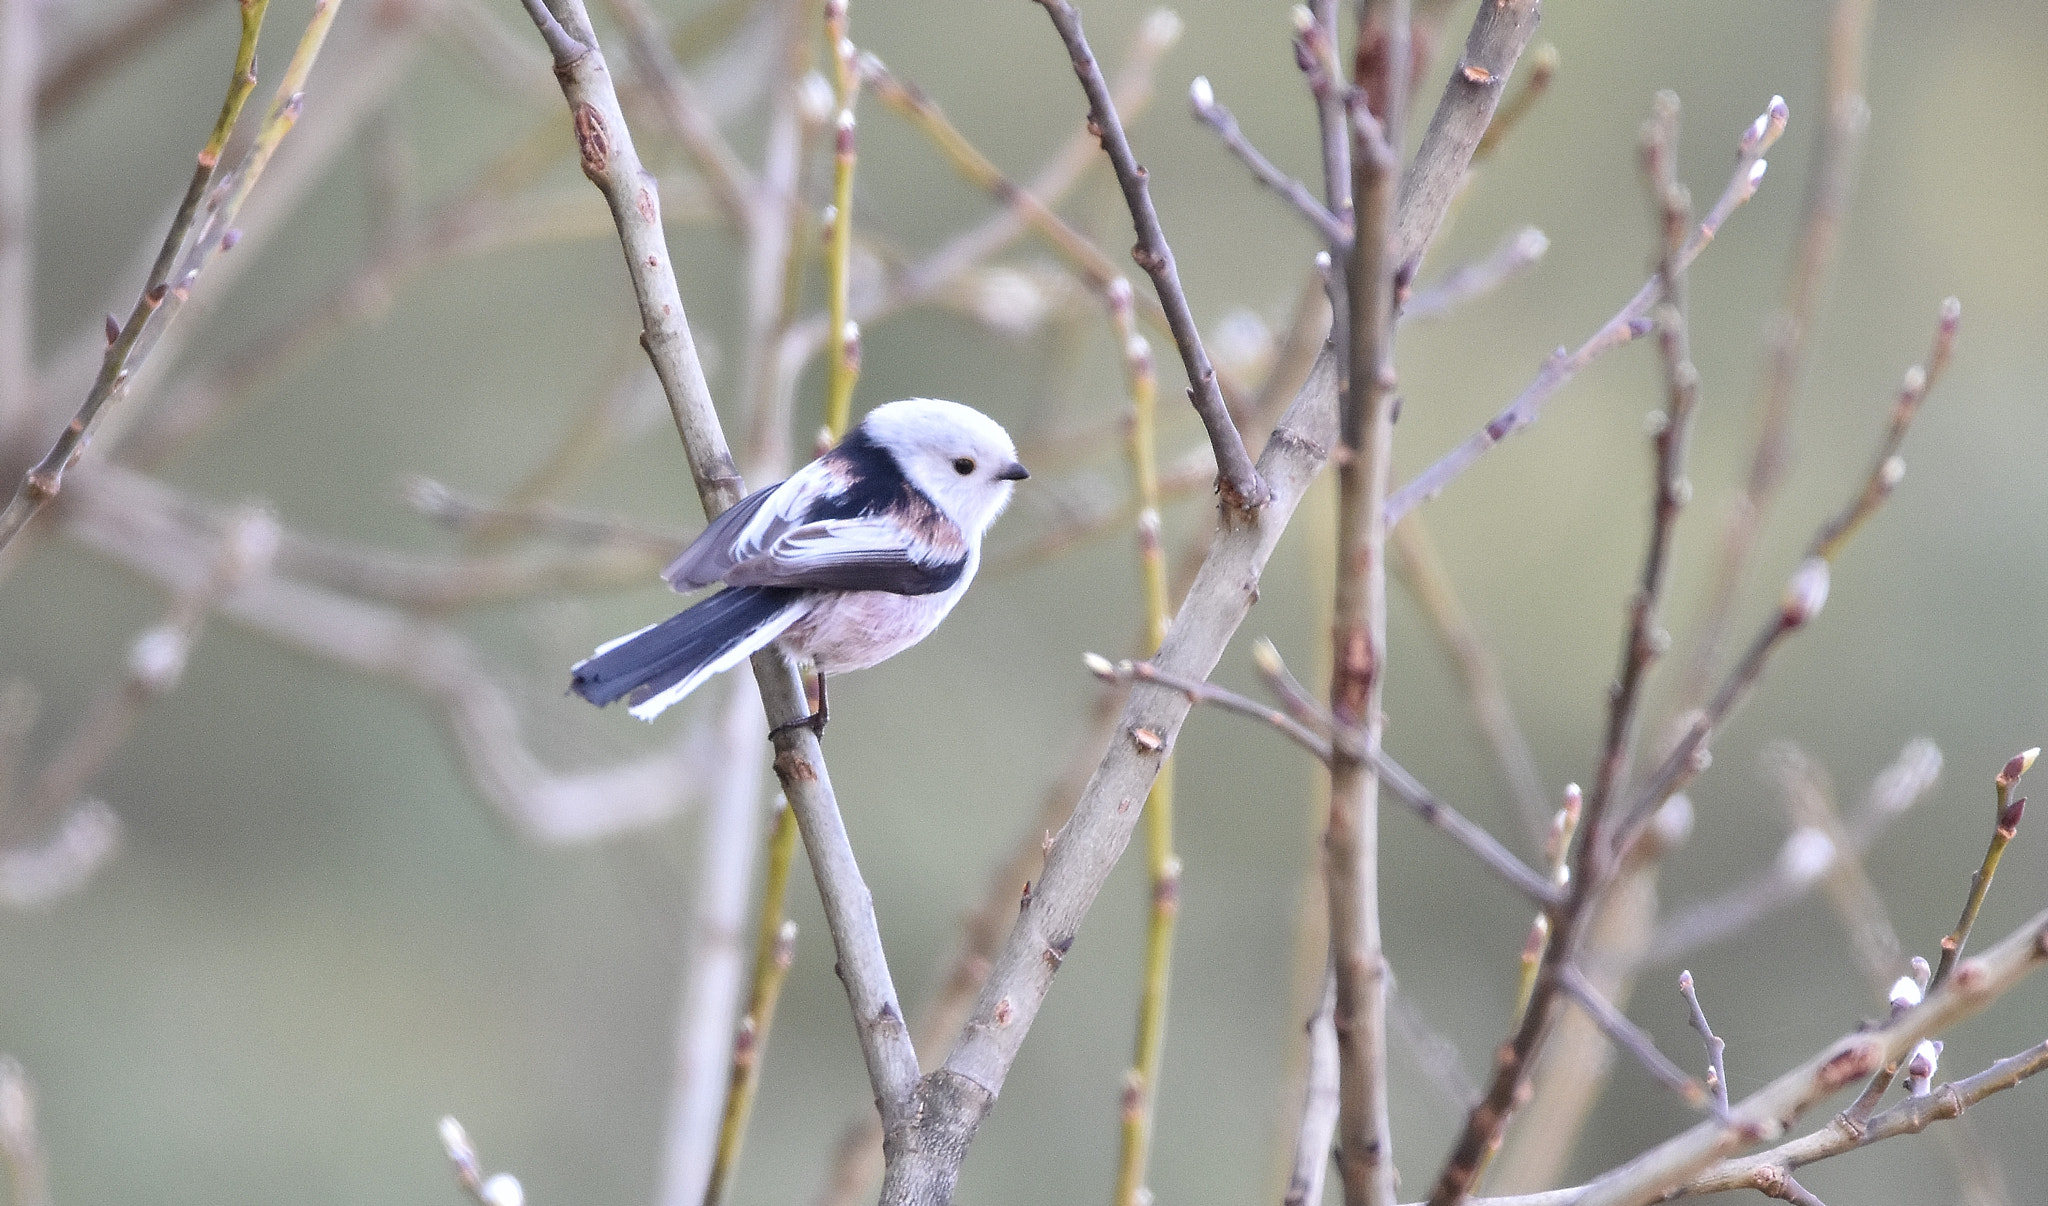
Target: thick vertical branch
[1359,635]
[609,160]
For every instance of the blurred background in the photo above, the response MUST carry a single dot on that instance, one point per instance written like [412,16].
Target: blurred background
[316,936]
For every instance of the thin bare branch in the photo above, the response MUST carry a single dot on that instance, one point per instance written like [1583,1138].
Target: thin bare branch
[1630,323]
[21,1142]
[43,482]
[1238,478]
[1630,1037]
[1211,113]
[1312,1143]
[732,186]
[1845,118]
[1717,1066]
[609,160]
[1517,254]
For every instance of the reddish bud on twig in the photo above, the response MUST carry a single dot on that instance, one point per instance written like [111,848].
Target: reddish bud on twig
[113,329]
[2019,764]
[228,240]
[2009,820]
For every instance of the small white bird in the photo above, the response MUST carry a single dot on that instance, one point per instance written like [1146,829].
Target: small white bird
[855,558]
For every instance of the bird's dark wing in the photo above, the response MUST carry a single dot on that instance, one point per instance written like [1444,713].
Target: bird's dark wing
[869,552]
[743,530]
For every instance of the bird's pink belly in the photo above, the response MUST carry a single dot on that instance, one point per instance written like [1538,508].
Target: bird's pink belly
[855,630]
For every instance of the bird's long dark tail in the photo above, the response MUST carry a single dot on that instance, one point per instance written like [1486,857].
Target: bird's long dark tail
[659,664]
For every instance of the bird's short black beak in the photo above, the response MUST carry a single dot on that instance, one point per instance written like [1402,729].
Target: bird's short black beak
[1012,472]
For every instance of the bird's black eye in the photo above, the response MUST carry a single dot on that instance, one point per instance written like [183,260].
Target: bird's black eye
[963,465]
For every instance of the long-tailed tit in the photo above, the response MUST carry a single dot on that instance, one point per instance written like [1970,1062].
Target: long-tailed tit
[855,558]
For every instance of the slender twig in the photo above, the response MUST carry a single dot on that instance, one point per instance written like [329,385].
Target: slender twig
[68,77]
[1557,851]
[1844,119]
[19,40]
[1886,468]
[843,342]
[1717,1066]
[1805,593]
[1141,1082]
[774,951]
[2005,827]
[43,482]
[1078,250]
[1420,800]
[609,160]
[1644,641]
[1238,478]
[1211,113]
[1517,253]
[1595,861]
[1025,207]
[1319,1105]
[1630,1037]
[1630,323]
[21,1142]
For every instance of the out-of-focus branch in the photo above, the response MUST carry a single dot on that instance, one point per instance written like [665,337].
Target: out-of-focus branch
[1821,849]
[709,1062]
[1844,120]
[1211,113]
[43,482]
[1237,477]
[1630,323]
[732,186]
[128,527]
[19,45]
[67,77]
[606,148]
[498,1189]
[1517,254]
[1423,573]
[1025,207]
[774,951]
[21,1144]
[1318,1126]
[156,661]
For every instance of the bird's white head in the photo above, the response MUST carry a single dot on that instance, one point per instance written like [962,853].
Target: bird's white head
[963,460]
